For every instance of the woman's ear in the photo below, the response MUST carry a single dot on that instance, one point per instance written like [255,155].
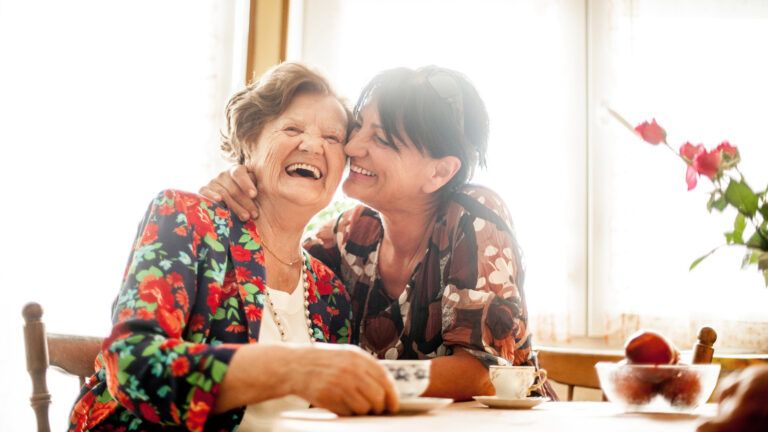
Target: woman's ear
[441,172]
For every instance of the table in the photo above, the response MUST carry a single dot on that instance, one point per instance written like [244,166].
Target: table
[471,416]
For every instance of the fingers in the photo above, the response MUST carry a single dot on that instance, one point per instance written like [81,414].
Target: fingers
[373,394]
[233,194]
[209,193]
[389,398]
[242,178]
[349,382]
[216,189]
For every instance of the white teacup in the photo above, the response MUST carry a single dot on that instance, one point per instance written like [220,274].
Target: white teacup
[411,376]
[516,382]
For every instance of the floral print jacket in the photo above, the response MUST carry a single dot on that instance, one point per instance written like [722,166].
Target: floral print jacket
[192,293]
[466,293]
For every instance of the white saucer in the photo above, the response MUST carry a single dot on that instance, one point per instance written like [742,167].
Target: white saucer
[422,404]
[499,402]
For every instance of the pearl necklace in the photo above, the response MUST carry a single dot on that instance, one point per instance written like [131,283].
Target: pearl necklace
[279,322]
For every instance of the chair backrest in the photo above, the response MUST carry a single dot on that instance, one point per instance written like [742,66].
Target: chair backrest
[573,367]
[70,354]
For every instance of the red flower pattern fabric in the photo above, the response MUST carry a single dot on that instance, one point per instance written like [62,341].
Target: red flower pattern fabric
[192,294]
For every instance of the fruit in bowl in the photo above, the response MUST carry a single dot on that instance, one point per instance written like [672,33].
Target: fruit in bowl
[636,386]
[648,347]
[651,378]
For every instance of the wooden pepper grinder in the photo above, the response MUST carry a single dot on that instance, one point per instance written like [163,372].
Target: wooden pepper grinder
[703,350]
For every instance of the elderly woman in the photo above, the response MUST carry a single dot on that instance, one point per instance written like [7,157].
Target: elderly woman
[430,261]
[203,291]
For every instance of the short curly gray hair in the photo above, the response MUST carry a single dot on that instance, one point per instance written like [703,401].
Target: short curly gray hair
[251,108]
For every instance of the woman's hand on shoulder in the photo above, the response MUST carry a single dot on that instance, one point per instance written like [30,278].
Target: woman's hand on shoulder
[344,379]
[237,189]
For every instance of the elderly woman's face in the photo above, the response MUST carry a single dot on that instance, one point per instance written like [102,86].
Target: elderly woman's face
[299,156]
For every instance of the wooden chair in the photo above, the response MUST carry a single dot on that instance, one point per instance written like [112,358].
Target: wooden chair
[574,367]
[73,355]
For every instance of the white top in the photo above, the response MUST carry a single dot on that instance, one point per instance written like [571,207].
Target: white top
[290,310]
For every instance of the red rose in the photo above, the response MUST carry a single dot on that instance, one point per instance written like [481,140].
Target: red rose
[199,408]
[221,213]
[703,162]
[181,230]
[100,411]
[149,235]
[170,343]
[170,321]
[240,253]
[175,279]
[651,132]
[214,295]
[165,209]
[317,319]
[125,314]
[727,148]
[252,312]
[690,151]
[153,289]
[242,274]
[197,322]
[259,256]
[182,299]
[148,412]
[708,163]
[180,366]
[144,314]
[196,349]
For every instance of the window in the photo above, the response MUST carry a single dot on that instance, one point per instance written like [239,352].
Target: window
[605,222]
[103,104]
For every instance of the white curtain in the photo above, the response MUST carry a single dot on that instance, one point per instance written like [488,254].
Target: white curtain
[699,68]
[102,105]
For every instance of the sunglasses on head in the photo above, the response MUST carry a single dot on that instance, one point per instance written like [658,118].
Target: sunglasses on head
[446,87]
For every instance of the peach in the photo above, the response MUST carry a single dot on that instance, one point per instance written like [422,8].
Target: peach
[682,390]
[647,347]
[632,388]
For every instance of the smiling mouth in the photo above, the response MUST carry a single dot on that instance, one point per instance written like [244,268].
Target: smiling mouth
[360,170]
[304,170]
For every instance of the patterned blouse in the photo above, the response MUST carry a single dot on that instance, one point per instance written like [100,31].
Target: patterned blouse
[467,292]
[192,293]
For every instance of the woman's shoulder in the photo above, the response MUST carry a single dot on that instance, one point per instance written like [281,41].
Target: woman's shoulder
[477,200]
[187,201]
[198,209]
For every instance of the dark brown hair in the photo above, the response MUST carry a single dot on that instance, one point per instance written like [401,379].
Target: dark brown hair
[437,108]
[251,108]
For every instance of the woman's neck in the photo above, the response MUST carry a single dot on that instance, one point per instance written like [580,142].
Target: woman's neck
[406,231]
[281,228]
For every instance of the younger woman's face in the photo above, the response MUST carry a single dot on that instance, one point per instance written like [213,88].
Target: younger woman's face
[379,175]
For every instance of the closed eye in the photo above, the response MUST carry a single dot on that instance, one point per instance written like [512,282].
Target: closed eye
[382,141]
[292,130]
[333,139]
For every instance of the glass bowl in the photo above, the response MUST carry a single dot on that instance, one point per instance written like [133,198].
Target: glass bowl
[657,388]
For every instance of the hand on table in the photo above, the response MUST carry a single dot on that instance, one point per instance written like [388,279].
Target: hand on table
[346,380]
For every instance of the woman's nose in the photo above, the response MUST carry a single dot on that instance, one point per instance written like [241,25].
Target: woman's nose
[312,144]
[355,146]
